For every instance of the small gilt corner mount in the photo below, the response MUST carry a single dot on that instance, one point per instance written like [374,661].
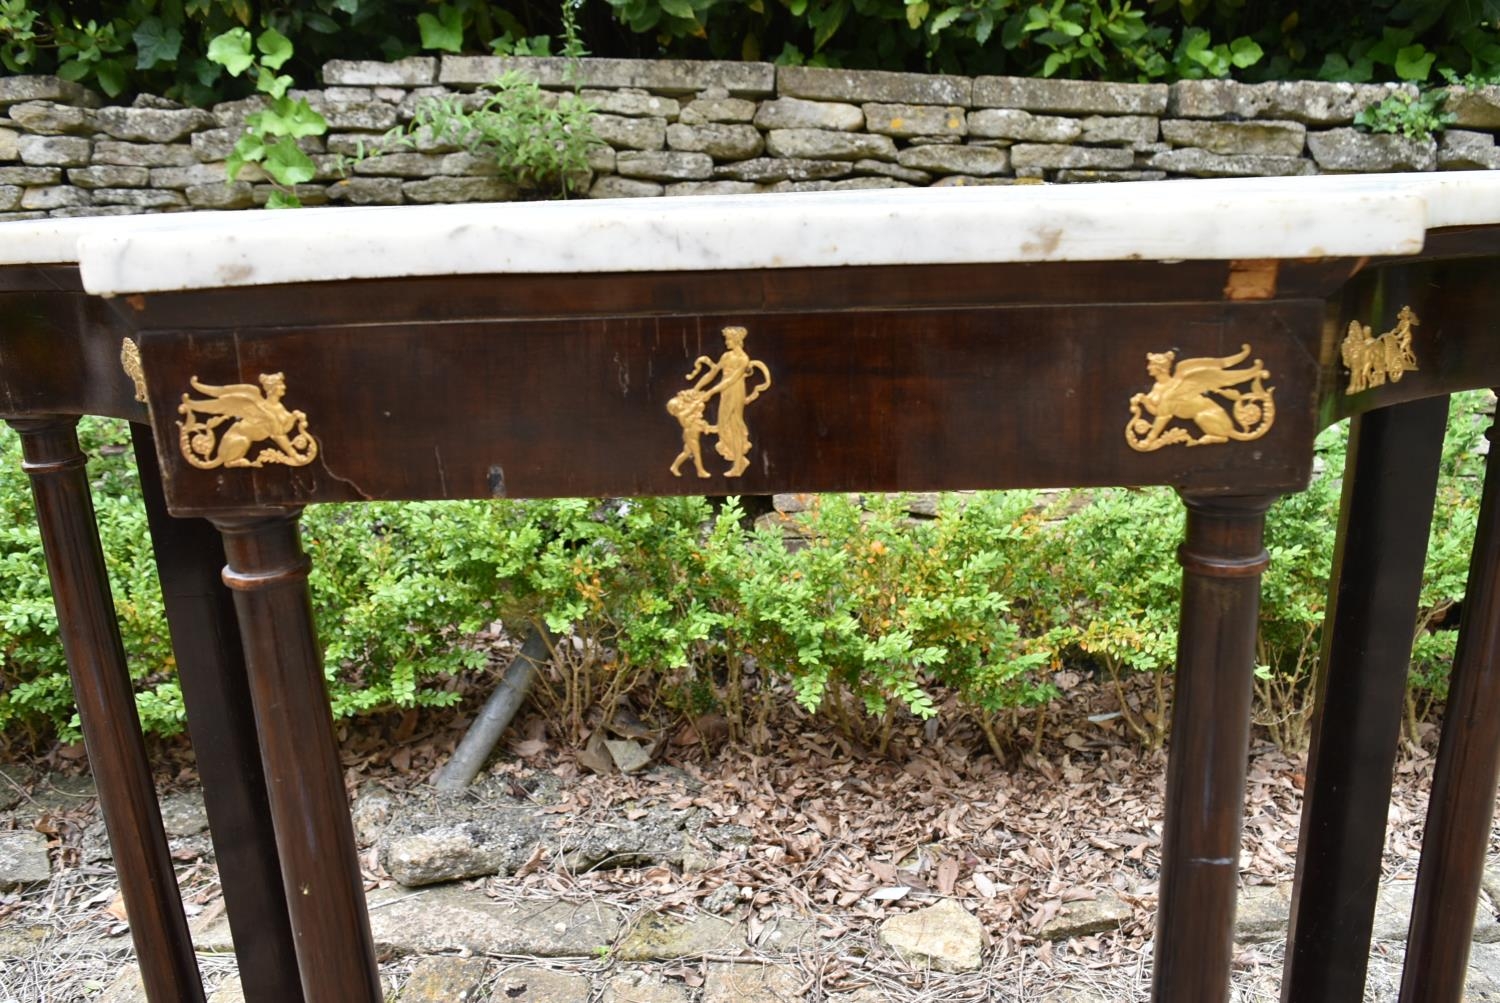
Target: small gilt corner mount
[255,414]
[130,361]
[1373,360]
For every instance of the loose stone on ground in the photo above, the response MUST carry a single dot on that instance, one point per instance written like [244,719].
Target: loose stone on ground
[944,936]
[1260,915]
[23,858]
[1087,916]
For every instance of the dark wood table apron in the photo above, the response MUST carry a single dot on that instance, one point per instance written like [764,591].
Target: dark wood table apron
[1211,377]
[60,357]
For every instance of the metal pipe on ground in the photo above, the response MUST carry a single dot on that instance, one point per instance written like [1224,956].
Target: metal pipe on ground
[480,740]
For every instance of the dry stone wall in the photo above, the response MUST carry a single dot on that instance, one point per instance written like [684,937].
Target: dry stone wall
[690,128]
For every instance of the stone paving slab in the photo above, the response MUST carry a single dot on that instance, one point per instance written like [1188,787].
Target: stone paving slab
[527,984]
[658,936]
[455,918]
[444,978]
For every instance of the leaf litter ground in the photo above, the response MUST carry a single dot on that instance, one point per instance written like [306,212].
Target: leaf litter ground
[834,839]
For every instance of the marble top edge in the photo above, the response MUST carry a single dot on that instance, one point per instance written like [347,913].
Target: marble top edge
[1320,216]
[56,241]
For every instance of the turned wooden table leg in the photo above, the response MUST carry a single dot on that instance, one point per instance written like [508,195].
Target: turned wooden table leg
[106,707]
[216,693]
[1390,482]
[267,572]
[1463,787]
[1222,560]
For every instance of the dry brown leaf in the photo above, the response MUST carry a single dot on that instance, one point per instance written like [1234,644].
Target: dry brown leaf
[528,748]
[594,756]
[947,875]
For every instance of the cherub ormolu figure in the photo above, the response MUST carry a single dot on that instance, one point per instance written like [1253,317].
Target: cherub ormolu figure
[732,370]
[687,407]
[1182,392]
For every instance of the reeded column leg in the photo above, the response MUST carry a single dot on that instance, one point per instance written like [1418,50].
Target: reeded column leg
[267,572]
[1390,482]
[1222,560]
[106,708]
[1463,787]
[216,692]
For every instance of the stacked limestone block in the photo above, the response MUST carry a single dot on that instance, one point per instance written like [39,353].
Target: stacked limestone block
[685,128]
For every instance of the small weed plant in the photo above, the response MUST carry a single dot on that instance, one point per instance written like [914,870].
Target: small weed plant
[1416,116]
[534,139]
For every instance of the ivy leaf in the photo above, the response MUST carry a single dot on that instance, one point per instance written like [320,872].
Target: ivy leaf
[944,19]
[287,164]
[111,76]
[1414,62]
[73,69]
[231,50]
[204,72]
[679,8]
[283,200]
[285,118]
[445,31]
[1244,51]
[275,48]
[1014,31]
[916,13]
[250,149]
[269,83]
[347,6]
[985,27]
[832,18]
[156,42]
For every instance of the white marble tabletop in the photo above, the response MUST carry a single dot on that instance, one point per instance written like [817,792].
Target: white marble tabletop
[54,241]
[1310,217]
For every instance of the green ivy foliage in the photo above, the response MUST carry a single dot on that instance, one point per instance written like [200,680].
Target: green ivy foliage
[860,613]
[162,46]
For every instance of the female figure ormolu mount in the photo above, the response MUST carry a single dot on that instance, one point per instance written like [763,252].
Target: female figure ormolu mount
[732,372]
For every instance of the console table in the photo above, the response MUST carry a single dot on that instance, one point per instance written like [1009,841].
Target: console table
[1193,334]
[60,357]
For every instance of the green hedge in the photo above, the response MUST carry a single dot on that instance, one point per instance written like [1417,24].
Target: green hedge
[864,614]
[160,46]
